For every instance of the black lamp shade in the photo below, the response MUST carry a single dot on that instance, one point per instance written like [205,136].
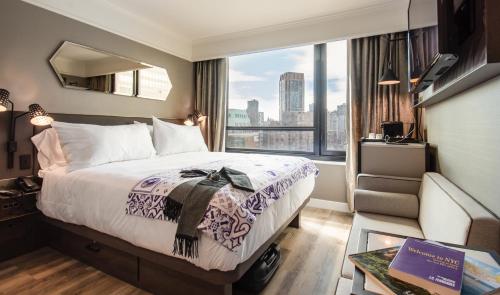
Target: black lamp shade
[38,116]
[4,99]
[388,78]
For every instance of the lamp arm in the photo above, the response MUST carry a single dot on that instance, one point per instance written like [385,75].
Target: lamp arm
[21,115]
[13,124]
[11,120]
[386,55]
[389,62]
[11,144]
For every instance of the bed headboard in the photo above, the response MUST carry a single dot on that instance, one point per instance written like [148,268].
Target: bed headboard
[24,131]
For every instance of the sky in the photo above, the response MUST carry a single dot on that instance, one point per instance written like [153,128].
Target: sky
[256,76]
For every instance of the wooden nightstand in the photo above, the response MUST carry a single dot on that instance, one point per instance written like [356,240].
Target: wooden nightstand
[21,230]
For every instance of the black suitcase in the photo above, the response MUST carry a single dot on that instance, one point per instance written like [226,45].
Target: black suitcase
[261,272]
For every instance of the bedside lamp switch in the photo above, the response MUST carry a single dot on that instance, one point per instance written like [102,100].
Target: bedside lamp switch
[24,162]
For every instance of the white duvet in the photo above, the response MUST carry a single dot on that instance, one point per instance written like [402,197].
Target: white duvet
[96,197]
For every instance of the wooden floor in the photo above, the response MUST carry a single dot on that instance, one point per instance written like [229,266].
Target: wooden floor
[312,258]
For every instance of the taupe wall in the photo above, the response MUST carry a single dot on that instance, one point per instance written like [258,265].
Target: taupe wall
[331,182]
[466,131]
[29,36]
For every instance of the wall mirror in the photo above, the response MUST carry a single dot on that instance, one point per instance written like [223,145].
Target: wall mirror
[85,68]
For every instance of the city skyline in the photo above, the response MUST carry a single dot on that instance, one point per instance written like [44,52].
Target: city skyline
[291,106]
[275,89]
[292,113]
[336,138]
[256,76]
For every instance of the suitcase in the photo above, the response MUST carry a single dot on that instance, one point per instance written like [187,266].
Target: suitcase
[261,272]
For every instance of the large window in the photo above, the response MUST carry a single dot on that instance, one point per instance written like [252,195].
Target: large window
[289,101]
[153,83]
[149,82]
[124,83]
[336,97]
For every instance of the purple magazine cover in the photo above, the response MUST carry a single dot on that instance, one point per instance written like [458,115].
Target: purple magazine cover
[438,264]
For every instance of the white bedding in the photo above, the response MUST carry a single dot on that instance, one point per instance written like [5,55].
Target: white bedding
[96,197]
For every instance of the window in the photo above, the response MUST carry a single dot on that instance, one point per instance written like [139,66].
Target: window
[336,97]
[289,101]
[153,83]
[149,82]
[124,83]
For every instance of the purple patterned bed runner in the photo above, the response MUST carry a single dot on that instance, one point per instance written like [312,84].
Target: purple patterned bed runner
[231,212]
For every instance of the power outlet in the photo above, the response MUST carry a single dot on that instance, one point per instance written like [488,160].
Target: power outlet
[24,162]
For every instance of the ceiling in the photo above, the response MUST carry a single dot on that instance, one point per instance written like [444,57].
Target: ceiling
[198,19]
[177,26]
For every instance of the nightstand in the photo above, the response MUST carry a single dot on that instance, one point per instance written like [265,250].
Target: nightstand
[21,230]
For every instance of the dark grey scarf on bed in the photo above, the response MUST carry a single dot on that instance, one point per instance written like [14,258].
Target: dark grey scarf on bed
[186,204]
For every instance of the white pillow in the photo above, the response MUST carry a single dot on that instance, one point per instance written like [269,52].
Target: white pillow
[150,127]
[50,154]
[87,145]
[174,139]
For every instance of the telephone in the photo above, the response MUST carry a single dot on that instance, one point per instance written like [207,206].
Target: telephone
[27,184]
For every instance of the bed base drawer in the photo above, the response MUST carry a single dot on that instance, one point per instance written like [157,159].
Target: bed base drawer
[109,260]
[149,270]
[161,280]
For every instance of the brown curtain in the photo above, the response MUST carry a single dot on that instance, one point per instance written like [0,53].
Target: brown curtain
[102,83]
[423,51]
[211,88]
[425,45]
[370,104]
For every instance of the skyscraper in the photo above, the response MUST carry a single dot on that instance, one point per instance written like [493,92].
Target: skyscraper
[253,111]
[291,93]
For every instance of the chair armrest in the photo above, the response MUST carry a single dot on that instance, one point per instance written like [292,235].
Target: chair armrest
[391,184]
[395,204]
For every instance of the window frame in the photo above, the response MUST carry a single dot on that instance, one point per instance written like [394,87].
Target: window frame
[319,127]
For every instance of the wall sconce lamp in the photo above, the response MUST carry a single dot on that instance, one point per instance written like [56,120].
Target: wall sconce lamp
[38,117]
[194,118]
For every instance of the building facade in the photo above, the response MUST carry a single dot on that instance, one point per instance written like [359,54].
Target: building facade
[291,93]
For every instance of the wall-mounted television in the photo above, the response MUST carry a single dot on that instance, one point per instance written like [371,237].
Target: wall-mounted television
[434,50]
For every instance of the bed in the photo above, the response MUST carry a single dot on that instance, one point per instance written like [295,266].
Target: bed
[96,198]
[84,214]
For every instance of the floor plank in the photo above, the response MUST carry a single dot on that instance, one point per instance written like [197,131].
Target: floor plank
[312,258]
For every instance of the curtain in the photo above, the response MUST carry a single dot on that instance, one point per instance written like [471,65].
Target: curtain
[211,88]
[370,104]
[425,45]
[102,83]
[424,48]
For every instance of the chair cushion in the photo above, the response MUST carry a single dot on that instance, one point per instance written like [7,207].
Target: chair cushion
[380,158]
[344,287]
[395,204]
[441,217]
[383,223]
[391,184]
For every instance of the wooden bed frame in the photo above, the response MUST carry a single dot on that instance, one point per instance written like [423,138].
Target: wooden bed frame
[148,270]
